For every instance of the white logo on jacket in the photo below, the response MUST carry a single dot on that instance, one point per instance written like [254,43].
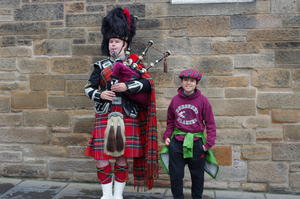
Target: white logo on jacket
[187,114]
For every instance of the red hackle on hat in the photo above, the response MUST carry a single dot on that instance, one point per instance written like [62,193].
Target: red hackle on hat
[127,14]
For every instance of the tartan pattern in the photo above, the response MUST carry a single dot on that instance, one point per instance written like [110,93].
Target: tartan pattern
[191,73]
[121,173]
[104,174]
[146,168]
[133,143]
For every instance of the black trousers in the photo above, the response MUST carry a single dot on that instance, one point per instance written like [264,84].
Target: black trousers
[195,165]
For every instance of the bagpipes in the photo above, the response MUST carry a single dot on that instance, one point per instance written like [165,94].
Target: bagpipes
[133,60]
[133,68]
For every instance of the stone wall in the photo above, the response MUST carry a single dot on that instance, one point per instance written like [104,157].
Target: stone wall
[247,52]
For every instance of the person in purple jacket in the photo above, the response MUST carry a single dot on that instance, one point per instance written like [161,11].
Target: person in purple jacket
[189,115]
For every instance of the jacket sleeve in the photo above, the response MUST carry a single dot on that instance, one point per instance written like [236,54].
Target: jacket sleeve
[209,121]
[139,85]
[91,89]
[170,122]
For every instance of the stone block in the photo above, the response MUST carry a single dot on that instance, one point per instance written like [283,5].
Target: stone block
[287,56]
[256,152]
[283,6]
[47,83]
[4,104]
[68,139]
[291,21]
[149,24]
[72,165]
[94,38]
[254,61]
[257,122]
[235,136]
[286,151]
[11,119]
[221,47]
[228,122]
[33,65]
[8,76]
[7,41]
[269,135]
[10,3]
[95,8]
[255,21]
[29,100]
[22,28]
[40,12]
[233,173]
[285,116]
[69,102]
[281,45]
[223,155]
[254,187]
[52,47]
[296,79]
[8,64]
[9,86]
[240,93]
[225,81]
[136,9]
[83,124]
[275,78]
[273,35]
[294,166]
[24,135]
[46,118]
[279,100]
[44,151]
[70,65]
[208,9]
[213,92]
[12,52]
[75,87]
[75,7]
[24,170]
[233,107]
[89,50]
[11,156]
[83,20]
[272,172]
[208,26]
[76,151]
[295,180]
[61,33]
[212,65]
[188,46]
[291,133]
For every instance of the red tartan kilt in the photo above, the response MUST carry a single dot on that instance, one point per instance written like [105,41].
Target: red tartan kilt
[134,143]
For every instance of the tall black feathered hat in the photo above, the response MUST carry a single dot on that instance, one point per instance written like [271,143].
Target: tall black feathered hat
[118,23]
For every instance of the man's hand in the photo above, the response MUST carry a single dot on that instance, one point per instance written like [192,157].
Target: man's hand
[107,95]
[119,87]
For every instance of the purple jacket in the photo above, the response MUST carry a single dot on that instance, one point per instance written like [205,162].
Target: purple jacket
[191,114]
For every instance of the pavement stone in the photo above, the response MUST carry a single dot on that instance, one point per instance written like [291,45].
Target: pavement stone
[12,188]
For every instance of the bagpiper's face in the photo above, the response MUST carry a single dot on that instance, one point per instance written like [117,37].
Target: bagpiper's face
[116,47]
[189,85]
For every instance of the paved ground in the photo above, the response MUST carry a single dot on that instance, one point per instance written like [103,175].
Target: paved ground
[11,188]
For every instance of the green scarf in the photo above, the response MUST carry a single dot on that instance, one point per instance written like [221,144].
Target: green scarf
[211,166]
